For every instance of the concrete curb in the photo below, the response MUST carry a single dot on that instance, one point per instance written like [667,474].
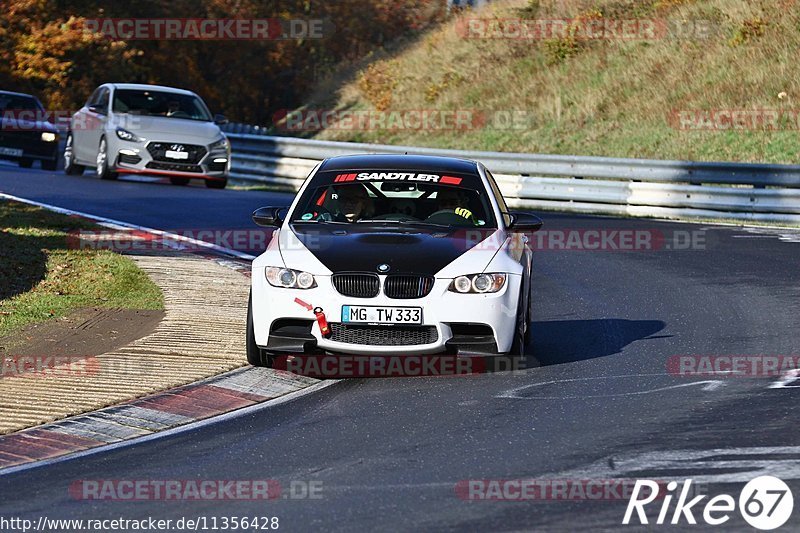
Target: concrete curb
[149,415]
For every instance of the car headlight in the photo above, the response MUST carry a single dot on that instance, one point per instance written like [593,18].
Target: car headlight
[286,278]
[222,143]
[49,136]
[125,135]
[478,283]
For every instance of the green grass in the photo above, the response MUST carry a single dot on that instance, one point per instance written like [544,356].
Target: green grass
[43,277]
[603,97]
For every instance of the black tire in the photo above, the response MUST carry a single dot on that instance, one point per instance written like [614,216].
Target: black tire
[255,355]
[179,181]
[25,163]
[50,165]
[103,169]
[517,353]
[70,167]
[216,183]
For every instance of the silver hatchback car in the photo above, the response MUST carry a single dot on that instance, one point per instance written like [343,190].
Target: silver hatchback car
[129,128]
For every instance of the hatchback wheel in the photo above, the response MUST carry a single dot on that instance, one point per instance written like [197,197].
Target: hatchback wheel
[102,169]
[70,167]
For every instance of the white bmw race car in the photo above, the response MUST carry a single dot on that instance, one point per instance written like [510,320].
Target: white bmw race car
[392,254]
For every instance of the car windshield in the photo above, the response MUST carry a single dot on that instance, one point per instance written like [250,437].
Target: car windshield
[396,197]
[160,104]
[16,102]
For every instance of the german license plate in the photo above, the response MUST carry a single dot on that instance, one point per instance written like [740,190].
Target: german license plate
[172,154]
[357,314]
[16,152]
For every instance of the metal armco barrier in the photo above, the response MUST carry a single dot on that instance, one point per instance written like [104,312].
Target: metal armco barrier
[598,185]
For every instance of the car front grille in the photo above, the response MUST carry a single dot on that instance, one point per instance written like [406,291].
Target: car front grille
[357,285]
[175,167]
[383,335]
[158,151]
[402,286]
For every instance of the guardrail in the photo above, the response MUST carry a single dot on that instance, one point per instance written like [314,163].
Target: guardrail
[597,185]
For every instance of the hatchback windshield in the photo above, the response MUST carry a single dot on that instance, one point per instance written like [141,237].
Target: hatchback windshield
[160,103]
[399,197]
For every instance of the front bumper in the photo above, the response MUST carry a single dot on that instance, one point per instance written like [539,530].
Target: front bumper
[29,143]
[447,318]
[138,158]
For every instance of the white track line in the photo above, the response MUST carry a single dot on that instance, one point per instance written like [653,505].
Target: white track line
[109,222]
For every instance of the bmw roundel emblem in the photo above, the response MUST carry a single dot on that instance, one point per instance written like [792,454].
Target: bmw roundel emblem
[383,267]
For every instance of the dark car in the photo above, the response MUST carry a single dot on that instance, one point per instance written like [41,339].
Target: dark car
[25,133]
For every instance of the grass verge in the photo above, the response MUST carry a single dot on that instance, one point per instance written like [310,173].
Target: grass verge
[42,277]
[641,98]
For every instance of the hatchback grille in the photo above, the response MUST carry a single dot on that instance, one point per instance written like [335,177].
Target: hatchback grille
[384,335]
[407,286]
[357,285]
[159,149]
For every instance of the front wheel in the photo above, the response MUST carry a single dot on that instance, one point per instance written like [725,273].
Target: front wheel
[216,183]
[255,355]
[103,170]
[49,164]
[70,167]
[521,334]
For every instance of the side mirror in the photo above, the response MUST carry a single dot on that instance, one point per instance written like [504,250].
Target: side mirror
[525,222]
[97,109]
[268,216]
[220,120]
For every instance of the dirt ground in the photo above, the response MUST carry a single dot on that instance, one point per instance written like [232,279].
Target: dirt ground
[84,332]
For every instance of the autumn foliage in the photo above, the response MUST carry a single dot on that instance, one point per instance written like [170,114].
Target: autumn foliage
[46,50]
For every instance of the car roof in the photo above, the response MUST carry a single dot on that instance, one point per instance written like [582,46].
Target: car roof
[12,93]
[145,87]
[428,163]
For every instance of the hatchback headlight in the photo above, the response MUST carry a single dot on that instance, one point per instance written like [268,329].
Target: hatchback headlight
[49,136]
[125,135]
[286,278]
[222,143]
[478,283]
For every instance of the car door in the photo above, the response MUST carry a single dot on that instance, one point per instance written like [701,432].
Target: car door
[97,115]
[78,127]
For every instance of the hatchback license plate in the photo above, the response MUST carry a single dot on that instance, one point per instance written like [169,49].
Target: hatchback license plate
[172,154]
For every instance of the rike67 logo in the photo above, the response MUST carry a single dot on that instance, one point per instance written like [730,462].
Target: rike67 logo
[765,503]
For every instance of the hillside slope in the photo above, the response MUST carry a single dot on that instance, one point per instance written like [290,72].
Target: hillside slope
[690,79]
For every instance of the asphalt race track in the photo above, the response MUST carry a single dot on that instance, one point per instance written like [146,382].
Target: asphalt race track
[389,453]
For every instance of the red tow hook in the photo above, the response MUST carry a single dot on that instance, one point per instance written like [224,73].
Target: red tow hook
[323,323]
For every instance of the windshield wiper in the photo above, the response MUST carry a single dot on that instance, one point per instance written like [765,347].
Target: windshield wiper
[406,222]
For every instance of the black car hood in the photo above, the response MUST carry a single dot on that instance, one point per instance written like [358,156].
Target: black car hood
[357,248]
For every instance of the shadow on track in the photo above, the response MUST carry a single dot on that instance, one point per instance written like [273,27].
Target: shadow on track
[568,341]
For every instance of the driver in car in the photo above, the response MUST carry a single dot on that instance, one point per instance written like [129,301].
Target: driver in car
[354,202]
[456,201]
